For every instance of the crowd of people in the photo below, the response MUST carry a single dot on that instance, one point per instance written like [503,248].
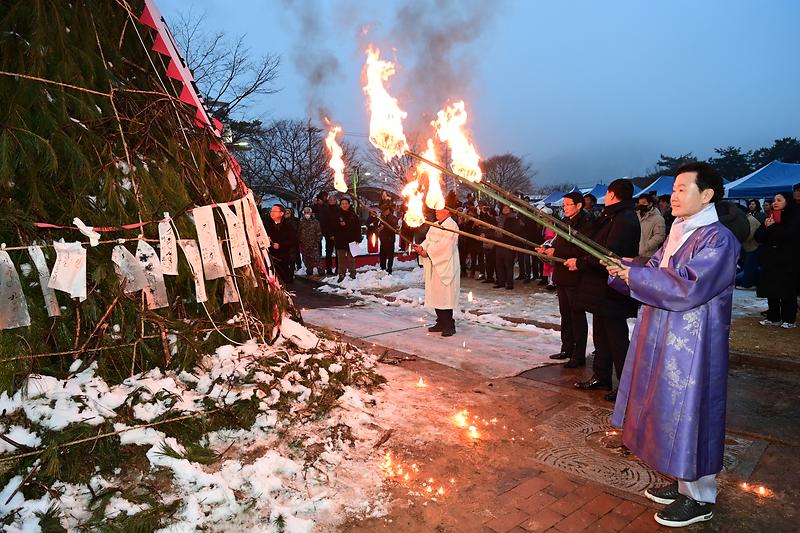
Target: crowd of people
[682,255]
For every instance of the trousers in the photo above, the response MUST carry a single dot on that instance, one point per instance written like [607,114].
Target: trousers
[574,328]
[611,345]
[702,490]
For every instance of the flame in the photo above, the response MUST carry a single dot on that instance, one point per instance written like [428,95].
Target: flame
[374,239]
[421,383]
[413,216]
[336,162]
[449,125]
[473,432]
[386,117]
[434,199]
[460,418]
[469,296]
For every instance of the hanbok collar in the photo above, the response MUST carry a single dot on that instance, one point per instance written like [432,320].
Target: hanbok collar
[683,228]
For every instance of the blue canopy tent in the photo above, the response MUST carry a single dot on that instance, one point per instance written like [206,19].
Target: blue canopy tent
[663,185]
[552,197]
[599,192]
[767,180]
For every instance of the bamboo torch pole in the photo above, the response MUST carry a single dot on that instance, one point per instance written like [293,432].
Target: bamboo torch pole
[492,227]
[567,234]
[543,257]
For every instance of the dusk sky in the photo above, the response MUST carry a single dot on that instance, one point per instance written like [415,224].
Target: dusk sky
[587,91]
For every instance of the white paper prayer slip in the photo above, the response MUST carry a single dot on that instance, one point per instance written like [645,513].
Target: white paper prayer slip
[13,307]
[354,248]
[129,269]
[231,294]
[69,272]
[168,248]
[155,292]
[213,267]
[251,214]
[237,239]
[50,300]
[192,253]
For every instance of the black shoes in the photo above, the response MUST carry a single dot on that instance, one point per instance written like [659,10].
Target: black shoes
[664,495]
[611,396]
[684,511]
[341,278]
[436,328]
[519,278]
[592,384]
[575,363]
[352,276]
[498,286]
[449,332]
[560,355]
[509,287]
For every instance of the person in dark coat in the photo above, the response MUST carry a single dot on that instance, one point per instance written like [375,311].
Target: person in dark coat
[617,229]
[386,233]
[294,222]
[328,216]
[488,215]
[347,230]
[283,243]
[779,236]
[666,211]
[574,329]
[504,258]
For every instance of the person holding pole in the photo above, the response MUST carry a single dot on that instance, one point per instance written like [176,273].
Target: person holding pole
[439,256]
[672,395]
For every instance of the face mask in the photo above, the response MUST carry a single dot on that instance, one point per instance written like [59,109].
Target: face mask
[643,208]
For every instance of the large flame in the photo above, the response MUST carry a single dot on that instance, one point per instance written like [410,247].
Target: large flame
[413,216]
[336,162]
[434,198]
[449,125]
[386,120]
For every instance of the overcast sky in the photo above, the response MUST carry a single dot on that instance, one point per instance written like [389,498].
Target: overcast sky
[585,90]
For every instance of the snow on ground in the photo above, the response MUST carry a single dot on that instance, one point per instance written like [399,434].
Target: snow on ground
[282,474]
[404,292]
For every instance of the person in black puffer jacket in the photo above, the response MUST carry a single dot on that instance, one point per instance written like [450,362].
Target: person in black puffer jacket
[617,228]
[779,236]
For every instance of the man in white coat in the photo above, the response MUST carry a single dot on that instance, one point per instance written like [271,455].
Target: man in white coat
[439,253]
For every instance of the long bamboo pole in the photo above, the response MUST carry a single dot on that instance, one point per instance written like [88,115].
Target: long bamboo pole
[496,243]
[492,227]
[469,235]
[568,234]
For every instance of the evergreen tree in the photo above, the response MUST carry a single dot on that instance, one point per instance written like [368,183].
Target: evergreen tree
[91,127]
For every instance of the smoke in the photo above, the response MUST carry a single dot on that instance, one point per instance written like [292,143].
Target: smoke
[313,59]
[431,39]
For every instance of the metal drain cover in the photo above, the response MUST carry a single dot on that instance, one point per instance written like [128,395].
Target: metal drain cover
[582,442]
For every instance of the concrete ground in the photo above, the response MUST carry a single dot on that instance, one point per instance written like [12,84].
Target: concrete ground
[571,472]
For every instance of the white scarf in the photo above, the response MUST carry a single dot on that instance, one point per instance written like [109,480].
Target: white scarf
[683,228]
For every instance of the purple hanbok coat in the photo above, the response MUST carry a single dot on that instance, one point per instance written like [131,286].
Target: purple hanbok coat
[672,394]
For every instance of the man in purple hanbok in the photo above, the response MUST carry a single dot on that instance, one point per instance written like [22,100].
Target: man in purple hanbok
[672,394]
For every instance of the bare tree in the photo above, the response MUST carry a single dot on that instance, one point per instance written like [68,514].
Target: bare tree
[509,172]
[226,72]
[392,175]
[291,154]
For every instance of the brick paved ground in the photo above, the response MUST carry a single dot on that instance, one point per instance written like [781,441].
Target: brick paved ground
[502,487]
